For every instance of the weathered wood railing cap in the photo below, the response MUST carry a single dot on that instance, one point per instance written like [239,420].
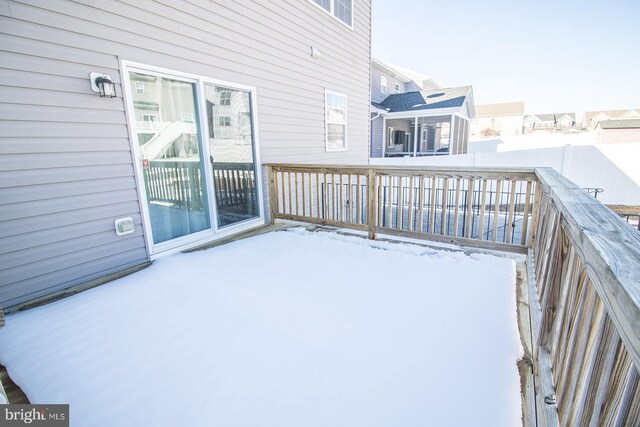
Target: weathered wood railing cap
[480,172]
[610,249]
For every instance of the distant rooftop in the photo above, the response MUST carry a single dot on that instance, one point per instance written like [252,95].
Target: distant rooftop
[612,114]
[552,116]
[500,109]
[620,124]
[405,74]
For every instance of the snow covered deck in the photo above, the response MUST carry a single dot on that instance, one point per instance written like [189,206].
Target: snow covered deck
[287,328]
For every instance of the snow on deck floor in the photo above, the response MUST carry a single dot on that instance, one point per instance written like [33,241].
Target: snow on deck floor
[284,329]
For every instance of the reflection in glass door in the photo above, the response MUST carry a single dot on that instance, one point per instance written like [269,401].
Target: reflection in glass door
[231,142]
[172,163]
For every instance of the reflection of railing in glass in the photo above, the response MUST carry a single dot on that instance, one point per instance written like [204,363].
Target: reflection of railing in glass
[174,183]
[179,184]
[235,189]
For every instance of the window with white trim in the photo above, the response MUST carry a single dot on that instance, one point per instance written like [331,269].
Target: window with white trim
[336,121]
[396,87]
[383,84]
[140,88]
[149,117]
[225,121]
[341,9]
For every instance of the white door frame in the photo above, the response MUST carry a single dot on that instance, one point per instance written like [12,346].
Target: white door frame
[214,232]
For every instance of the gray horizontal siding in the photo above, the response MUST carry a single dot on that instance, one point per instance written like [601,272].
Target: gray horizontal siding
[66,167]
[376,94]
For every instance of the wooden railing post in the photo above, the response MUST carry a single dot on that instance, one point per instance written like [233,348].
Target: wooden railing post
[372,211]
[273,194]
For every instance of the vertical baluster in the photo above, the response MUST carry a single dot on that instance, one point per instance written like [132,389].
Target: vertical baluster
[496,211]
[390,201]
[483,203]
[295,191]
[443,218]
[456,211]
[512,204]
[349,200]
[467,230]
[358,207]
[410,226]
[525,214]
[400,209]
[318,205]
[432,206]
[421,204]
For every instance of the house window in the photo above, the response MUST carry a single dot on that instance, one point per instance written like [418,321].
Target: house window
[396,87]
[383,84]
[225,121]
[140,88]
[225,97]
[188,118]
[336,121]
[341,9]
[149,117]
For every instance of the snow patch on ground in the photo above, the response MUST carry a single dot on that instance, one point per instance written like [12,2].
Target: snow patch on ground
[284,329]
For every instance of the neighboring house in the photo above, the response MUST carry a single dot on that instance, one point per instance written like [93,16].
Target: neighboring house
[411,115]
[502,119]
[617,131]
[205,94]
[591,118]
[555,122]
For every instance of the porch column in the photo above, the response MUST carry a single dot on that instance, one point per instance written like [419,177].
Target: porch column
[415,137]
[452,134]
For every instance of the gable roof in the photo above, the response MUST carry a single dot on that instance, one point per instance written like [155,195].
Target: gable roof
[404,74]
[426,100]
[612,114]
[501,109]
[552,116]
[620,124]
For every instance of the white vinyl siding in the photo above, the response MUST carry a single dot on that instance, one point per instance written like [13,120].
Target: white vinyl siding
[66,166]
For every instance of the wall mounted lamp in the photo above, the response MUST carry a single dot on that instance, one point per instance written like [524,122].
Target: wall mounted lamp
[101,83]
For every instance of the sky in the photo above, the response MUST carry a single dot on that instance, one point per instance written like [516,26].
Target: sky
[556,56]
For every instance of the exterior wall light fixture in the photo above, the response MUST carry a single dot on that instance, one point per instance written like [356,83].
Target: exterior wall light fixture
[102,84]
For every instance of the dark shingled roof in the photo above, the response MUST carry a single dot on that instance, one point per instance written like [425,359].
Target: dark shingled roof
[620,124]
[426,100]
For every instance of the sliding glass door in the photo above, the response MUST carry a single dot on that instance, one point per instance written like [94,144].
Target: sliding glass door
[168,138]
[196,155]
[231,143]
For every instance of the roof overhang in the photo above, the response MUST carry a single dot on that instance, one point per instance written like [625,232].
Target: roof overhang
[426,113]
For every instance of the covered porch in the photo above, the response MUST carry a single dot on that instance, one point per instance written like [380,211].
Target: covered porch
[427,123]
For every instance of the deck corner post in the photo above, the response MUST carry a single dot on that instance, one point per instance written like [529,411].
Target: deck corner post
[273,194]
[371,204]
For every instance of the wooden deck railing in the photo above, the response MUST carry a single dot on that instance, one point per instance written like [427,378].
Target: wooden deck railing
[478,207]
[583,263]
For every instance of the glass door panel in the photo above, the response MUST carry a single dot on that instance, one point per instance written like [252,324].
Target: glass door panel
[172,163]
[231,141]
